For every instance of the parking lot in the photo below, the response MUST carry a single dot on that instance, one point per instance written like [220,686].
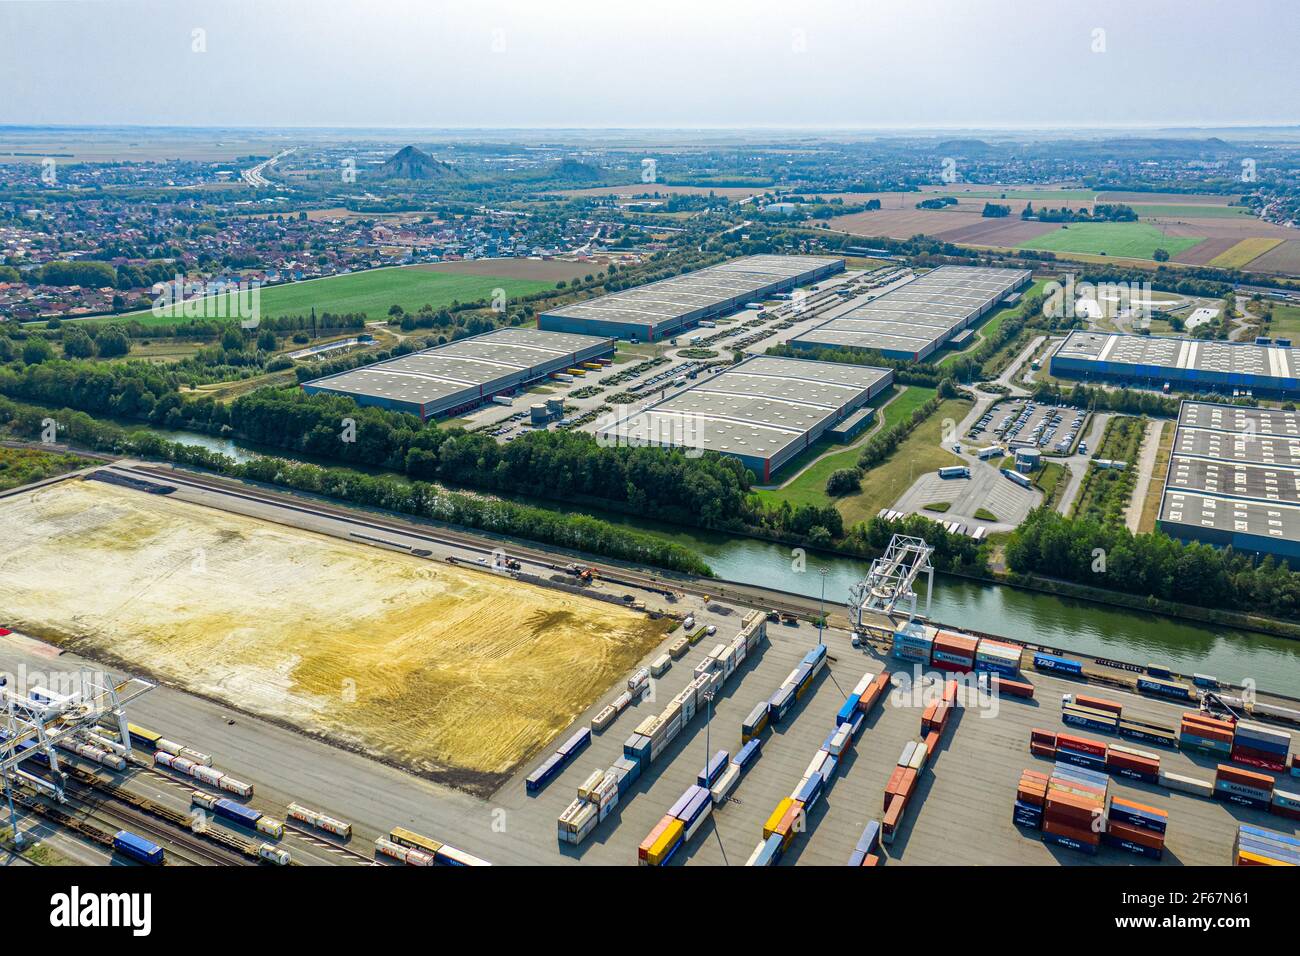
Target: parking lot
[1022,423]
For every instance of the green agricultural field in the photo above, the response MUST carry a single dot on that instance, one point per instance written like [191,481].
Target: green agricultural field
[374,292]
[1190,211]
[1032,195]
[1129,240]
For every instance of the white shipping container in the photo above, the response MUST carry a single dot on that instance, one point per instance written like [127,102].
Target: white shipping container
[717,651]
[208,775]
[660,664]
[840,740]
[621,701]
[604,718]
[1175,781]
[270,826]
[168,746]
[694,828]
[758,851]
[789,681]
[687,700]
[237,787]
[725,784]
[591,781]
[727,661]
[815,765]
[918,758]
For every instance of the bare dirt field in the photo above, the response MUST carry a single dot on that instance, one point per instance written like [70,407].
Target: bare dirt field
[999,232]
[545,270]
[1284,259]
[455,673]
[1203,252]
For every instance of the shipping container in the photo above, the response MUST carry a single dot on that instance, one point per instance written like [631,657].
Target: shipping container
[236,812]
[138,848]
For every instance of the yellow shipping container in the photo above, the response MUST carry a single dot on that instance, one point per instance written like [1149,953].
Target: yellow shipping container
[778,814]
[663,846]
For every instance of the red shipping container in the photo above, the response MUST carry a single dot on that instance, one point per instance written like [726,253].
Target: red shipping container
[871,860]
[1039,736]
[1131,762]
[931,745]
[1142,807]
[893,814]
[1246,778]
[1147,838]
[1081,745]
[950,693]
[1082,834]
[1098,703]
[895,779]
[1292,813]
[902,787]
[1257,758]
[1016,688]
[1042,750]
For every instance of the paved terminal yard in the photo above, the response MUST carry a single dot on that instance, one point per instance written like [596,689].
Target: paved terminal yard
[960,814]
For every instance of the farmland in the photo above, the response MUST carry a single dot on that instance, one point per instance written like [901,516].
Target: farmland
[1130,240]
[1247,250]
[455,673]
[374,291]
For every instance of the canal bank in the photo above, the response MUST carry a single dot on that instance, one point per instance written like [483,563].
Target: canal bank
[1034,616]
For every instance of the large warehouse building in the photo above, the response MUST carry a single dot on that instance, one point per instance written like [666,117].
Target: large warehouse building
[1193,365]
[460,375]
[915,320]
[764,411]
[660,310]
[1234,479]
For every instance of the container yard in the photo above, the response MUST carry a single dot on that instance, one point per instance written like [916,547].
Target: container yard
[737,737]
[454,672]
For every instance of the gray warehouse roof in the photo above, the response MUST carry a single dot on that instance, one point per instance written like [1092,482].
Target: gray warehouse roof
[459,369]
[921,315]
[755,409]
[661,302]
[1175,354]
[1234,472]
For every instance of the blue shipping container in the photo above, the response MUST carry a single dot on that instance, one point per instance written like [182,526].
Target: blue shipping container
[714,769]
[138,848]
[848,710]
[236,812]
[869,842]
[1062,665]
[748,754]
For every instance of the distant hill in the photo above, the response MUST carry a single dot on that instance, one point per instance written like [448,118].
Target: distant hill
[572,171]
[411,163]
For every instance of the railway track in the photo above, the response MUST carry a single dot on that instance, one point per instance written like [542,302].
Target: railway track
[662,584]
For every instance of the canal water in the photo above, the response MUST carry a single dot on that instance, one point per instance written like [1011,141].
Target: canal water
[1084,626]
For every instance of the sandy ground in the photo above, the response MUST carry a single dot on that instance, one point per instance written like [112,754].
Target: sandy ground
[452,672]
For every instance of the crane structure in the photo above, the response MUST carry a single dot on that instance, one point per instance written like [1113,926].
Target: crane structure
[892,578]
[39,720]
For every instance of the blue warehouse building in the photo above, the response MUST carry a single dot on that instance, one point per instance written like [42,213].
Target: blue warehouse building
[1234,479]
[461,375]
[660,310]
[1186,365]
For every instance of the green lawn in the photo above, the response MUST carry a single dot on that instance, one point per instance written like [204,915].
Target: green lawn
[1286,322]
[810,487]
[373,292]
[920,452]
[1189,211]
[1132,240]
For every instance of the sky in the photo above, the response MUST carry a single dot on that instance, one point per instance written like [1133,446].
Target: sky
[827,64]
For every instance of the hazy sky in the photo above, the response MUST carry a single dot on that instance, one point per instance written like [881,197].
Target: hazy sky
[627,63]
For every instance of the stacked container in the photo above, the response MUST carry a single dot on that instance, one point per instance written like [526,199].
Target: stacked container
[1042,743]
[1243,787]
[1031,794]
[867,850]
[1200,732]
[1261,746]
[953,652]
[1137,764]
[914,641]
[1081,752]
[756,722]
[662,842]
[1255,846]
[998,657]
[1093,713]
[1074,809]
[1136,828]
[1148,732]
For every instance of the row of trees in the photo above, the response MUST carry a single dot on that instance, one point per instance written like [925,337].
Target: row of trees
[416,498]
[1108,555]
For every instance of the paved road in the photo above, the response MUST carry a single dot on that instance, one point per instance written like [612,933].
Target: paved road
[1146,464]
